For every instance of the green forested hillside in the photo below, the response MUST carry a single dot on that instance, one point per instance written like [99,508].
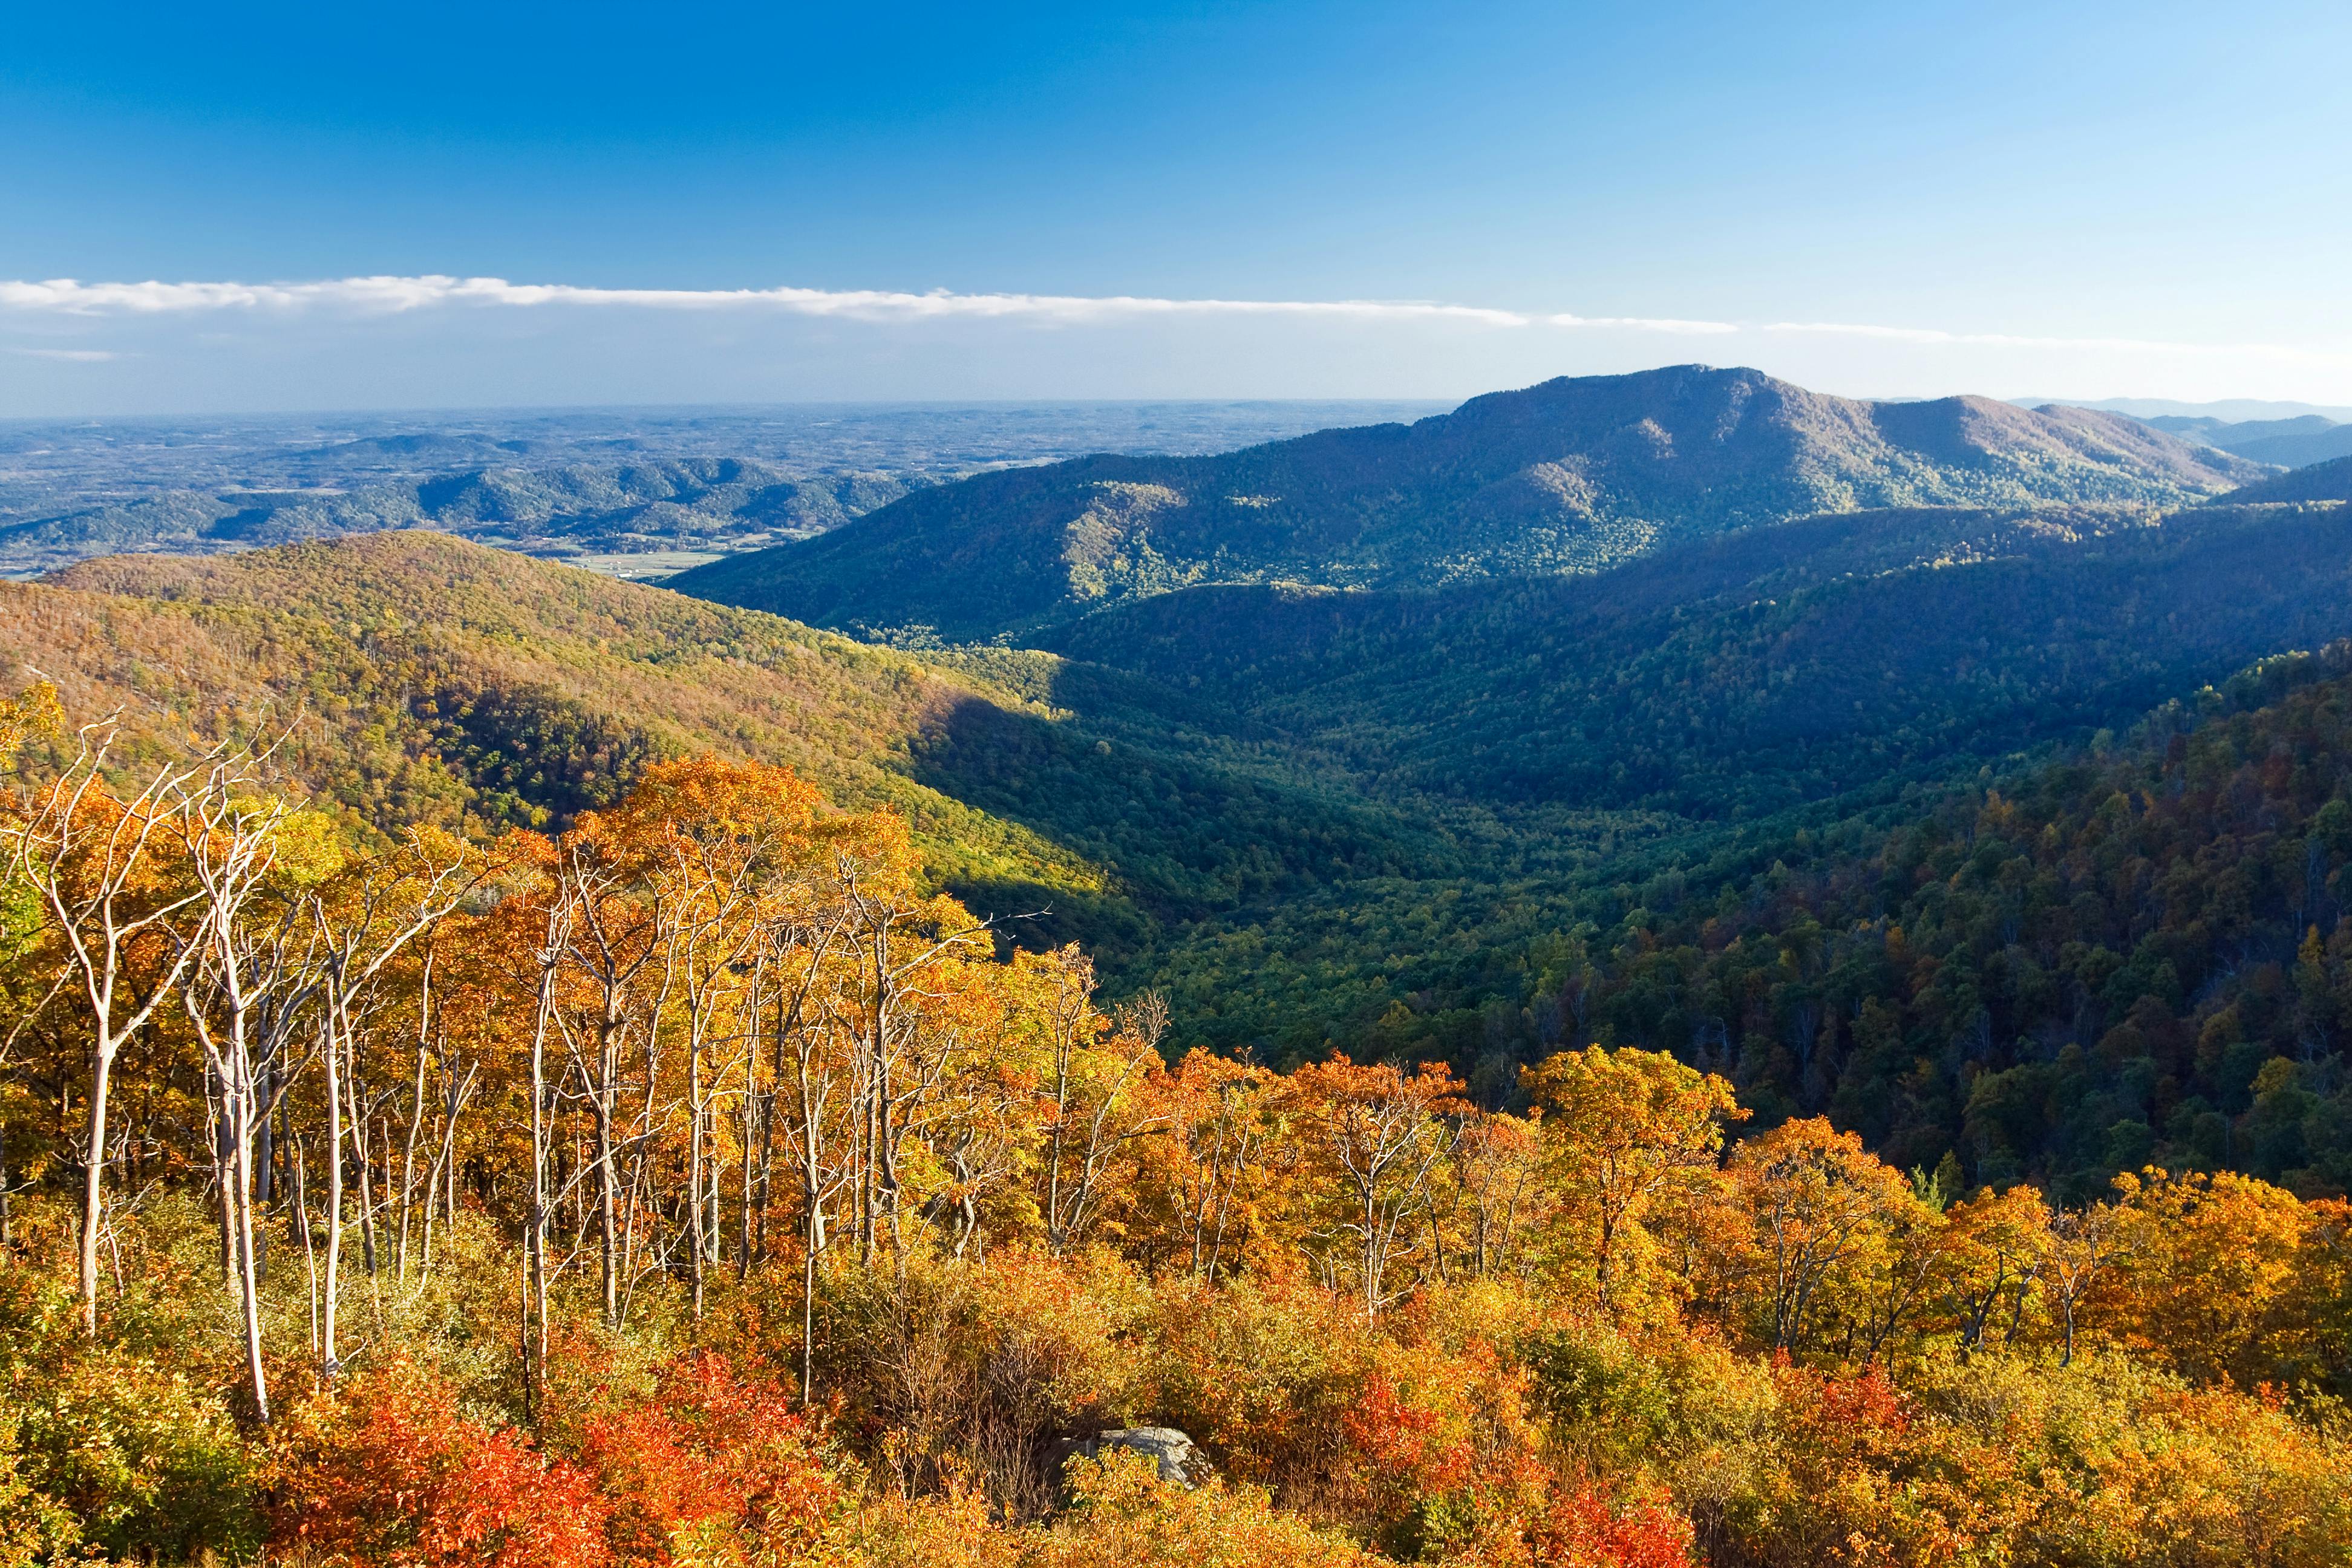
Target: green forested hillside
[2318,483]
[1566,742]
[1573,475]
[2131,953]
[1684,683]
[433,680]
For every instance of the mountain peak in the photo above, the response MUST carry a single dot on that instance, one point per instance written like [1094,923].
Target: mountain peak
[1574,474]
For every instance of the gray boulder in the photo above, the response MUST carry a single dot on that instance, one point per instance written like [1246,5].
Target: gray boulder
[1179,1463]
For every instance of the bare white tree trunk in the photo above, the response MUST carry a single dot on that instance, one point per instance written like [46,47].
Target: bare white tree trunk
[330,1361]
[86,854]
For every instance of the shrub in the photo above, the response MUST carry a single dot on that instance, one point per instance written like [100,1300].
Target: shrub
[715,1468]
[144,1462]
[387,1471]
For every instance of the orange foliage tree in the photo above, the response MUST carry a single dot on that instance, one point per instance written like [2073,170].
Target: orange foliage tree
[1622,1127]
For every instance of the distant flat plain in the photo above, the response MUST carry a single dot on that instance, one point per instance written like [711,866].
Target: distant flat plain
[630,491]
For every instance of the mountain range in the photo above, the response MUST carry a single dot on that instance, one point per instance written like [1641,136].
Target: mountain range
[1572,476]
[2289,443]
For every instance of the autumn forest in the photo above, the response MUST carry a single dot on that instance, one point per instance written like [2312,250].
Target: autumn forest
[1814,1038]
[696,1185]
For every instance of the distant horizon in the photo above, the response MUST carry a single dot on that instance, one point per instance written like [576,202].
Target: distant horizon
[389,342]
[2228,410]
[510,410]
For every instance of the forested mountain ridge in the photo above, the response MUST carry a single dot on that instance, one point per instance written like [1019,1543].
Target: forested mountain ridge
[1638,1001]
[1733,677]
[2329,481]
[1295,811]
[432,681]
[1314,820]
[1573,475]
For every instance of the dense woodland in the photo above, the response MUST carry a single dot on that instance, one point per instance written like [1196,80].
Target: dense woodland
[2132,952]
[698,1184]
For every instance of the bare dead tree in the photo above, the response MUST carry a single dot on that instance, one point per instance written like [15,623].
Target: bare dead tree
[393,903]
[93,860]
[255,976]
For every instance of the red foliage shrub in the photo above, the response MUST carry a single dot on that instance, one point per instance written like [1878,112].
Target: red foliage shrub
[387,1473]
[1537,1522]
[1861,1419]
[1583,1530]
[1398,1439]
[714,1457]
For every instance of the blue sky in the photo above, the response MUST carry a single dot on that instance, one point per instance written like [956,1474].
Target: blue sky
[2073,200]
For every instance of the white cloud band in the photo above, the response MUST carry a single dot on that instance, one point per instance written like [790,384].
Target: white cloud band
[1670,324]
[69,297]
